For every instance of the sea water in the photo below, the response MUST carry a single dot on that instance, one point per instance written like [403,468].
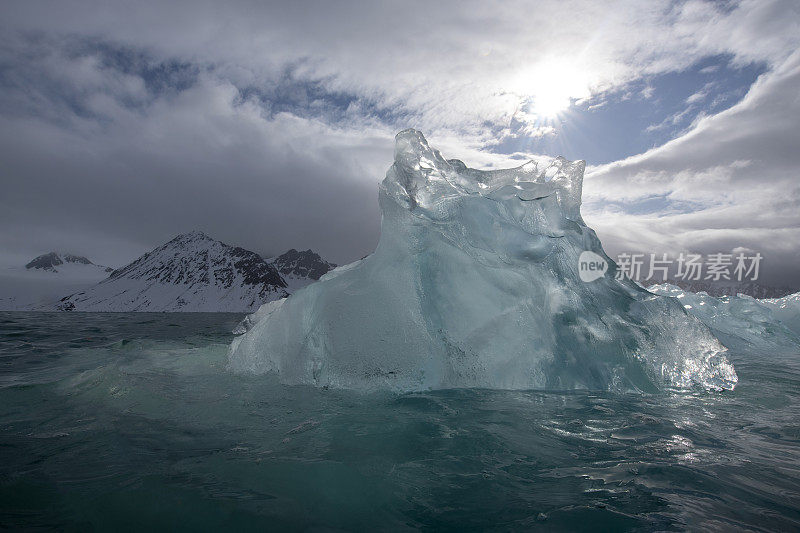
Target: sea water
[134,422]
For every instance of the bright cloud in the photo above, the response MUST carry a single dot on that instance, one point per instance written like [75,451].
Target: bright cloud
[736,168]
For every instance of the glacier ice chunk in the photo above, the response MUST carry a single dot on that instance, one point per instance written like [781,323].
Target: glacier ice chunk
[744,321]
[475,283]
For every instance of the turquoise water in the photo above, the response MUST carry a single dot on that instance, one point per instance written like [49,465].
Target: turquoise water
[132,422]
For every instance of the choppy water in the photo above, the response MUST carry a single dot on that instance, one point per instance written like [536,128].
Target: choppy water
[131,421]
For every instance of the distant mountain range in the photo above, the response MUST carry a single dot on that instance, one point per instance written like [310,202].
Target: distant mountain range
[190,273]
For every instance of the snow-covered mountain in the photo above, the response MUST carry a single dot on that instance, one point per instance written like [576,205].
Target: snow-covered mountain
[301,268]
[45,279]
[55,262]
[192,272]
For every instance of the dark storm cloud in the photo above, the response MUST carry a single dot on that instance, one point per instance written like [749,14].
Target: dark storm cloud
[103,140]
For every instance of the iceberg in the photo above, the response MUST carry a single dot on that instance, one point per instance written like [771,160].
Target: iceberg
[476,282]
[742,321]
[787,311]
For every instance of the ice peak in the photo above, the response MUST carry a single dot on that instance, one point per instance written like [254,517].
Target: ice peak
[422,180]
[410,146]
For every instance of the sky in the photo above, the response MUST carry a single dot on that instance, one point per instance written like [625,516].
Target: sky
[269,125]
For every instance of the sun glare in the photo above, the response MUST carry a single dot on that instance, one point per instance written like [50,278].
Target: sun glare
[549,103]
[549,88]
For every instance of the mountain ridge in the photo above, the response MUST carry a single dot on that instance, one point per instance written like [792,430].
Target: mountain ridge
[193,273]
[301,268]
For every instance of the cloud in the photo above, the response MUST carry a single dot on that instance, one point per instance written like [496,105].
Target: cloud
[700,95]
[201,158]
[270,124]
[446,65]
[736,168]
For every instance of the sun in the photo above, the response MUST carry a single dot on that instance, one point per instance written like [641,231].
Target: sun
[550,87]
[549,103]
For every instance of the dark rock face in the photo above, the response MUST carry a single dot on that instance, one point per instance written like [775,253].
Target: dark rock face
[51,260]
[307,264]
[69,258]
[255,269]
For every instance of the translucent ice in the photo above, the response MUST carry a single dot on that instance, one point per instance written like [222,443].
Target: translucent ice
[786,310]
[475,283]
[743,321]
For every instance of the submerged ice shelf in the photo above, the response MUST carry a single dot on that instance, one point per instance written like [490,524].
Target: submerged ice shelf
[475,283]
